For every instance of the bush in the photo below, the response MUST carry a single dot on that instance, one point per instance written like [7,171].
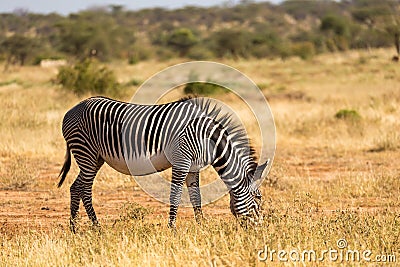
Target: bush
[199,52]
[336,24]
[304,50]
[200,88]
[284,50]
[133,82]
[232,43]
[182,40]
[163,54]
[371,38]
[348,114]
[88,77]
[264,42]
[139,53]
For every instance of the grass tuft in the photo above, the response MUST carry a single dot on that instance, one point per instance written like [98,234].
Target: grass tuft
[133,211]
[386,142]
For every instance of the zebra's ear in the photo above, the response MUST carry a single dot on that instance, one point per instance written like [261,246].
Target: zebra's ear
[260,169]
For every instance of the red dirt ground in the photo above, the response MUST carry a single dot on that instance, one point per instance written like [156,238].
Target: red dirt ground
[43,209]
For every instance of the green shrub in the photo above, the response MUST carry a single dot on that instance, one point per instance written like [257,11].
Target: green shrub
[199,52]
[88,77]
[284,50]
[200,88]
[182,40]
[335,24]
[304,50]
[140,53]
[163,54]
[231,43]
[67,77]
[263,86]
[348,114]
[134,82]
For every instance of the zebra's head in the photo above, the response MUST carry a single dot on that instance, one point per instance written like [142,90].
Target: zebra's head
[247,202]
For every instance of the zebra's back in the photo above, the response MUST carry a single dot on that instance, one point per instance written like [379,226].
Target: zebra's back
[133,139]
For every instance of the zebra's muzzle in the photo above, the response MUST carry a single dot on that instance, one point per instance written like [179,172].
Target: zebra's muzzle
[255,217]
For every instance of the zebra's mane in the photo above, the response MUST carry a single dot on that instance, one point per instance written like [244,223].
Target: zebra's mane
[230,124]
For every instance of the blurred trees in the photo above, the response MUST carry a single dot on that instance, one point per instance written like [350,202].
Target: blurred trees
[182,39]
[231,43]
[300,28]
[382,19]
[336,30]
[94,33]
[17,49]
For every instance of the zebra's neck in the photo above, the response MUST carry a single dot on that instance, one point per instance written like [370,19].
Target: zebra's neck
[232,159]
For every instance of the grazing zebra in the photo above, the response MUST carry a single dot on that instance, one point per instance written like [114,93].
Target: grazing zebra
[186,135]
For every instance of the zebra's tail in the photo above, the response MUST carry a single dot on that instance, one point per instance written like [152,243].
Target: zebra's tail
[65,168]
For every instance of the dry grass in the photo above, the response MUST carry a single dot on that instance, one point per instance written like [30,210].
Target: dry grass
[332,177]
[222,241]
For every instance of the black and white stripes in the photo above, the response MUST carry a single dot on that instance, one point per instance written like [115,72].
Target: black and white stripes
[186,135]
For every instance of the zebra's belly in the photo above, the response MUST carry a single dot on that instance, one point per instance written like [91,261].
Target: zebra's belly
[139,166]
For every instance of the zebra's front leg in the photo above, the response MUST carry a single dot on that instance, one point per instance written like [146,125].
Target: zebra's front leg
[178,177]
[192,183]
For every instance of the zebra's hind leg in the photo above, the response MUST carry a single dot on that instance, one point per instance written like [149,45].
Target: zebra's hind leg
[82,189]
[178,176]
[192,183]
[75,201]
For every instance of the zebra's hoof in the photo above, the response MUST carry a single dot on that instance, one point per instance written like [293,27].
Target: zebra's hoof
[73,229]
[172,226]
[72,226]
[96,227]
[199,220]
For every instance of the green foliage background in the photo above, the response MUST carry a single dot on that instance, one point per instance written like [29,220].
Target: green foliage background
[246,30]
[88,77]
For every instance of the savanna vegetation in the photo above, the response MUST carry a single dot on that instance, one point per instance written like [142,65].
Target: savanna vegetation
[246,30]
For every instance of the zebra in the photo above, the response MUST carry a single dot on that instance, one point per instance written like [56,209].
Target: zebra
[186,135]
